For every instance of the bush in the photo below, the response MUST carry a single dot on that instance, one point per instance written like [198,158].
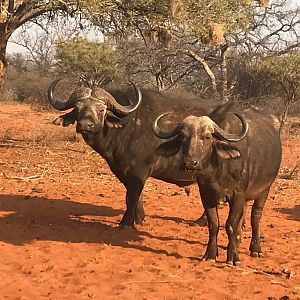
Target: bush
[31,86]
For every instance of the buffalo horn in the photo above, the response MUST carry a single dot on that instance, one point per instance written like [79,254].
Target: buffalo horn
[59,105]
[163,134]
[125,110]
[229,136]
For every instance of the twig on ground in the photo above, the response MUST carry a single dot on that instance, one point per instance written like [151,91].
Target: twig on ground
[162,281]
[22,178]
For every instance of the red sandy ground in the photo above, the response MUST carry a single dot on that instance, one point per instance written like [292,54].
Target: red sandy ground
[59,210]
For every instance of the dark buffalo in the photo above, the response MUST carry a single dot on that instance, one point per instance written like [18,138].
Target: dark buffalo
[235,167]
[122,134]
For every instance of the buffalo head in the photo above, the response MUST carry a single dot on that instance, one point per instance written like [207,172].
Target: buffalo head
[92,108]
[199,138]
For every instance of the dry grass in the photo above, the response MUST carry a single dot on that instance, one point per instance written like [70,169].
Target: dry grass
[6,135]
[290,173]
[43,136]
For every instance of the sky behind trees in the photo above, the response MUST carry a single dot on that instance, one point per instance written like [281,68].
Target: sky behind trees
[14,48]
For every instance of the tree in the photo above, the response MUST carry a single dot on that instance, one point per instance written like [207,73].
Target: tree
[170,29]
[89,62]
[38,39]
[284,73]
[175,39]
[15,13]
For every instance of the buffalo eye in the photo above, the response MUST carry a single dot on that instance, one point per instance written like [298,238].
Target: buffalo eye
[79,105]
[181,136]
[206,137]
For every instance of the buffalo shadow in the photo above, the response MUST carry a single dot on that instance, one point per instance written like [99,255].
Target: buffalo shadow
[24,219]
[28,218]
[292,212]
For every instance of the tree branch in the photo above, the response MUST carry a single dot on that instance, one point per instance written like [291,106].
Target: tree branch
[206,67]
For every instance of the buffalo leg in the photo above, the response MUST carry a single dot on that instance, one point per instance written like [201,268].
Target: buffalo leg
[213,228]
[241,225]
[233,227]
[202,221]
[134,191]
[139,212]
[256,213]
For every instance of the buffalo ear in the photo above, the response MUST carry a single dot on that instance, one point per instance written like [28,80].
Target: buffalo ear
[226,151]
[169,148]
[112,121]
[66,119]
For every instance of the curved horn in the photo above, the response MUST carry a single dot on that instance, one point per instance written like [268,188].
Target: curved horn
[57,104]
[233,137]
[125,110]
[163,134]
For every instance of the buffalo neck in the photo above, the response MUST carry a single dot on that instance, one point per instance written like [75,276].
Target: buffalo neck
[112,143]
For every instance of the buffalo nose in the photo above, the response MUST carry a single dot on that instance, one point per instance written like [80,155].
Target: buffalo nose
[81,126]
[191,164]
[195,163]
[89,125]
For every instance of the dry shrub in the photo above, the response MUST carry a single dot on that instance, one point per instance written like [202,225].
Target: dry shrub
[32,86]
[292,127]
[3,17]
[176,9]
[38,136]
[29,86]
[8,94]
[6,135]
[290,173]
[165,37]
[243,22]
[161,35]
[247,2]
[4,9]
[71,137]
[263,3]
[215,34]
[42,136]
[153,35]
[64,136]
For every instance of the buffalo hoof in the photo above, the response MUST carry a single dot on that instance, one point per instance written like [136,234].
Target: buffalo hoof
[126,227]
[139,214]
[210,256]
[213,260]
[139,220]
[202,221]
[256,254]
[236,263]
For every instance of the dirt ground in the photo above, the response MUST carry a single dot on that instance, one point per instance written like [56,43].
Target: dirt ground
[59,210]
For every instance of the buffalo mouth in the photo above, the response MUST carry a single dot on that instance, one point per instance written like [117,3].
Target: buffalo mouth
[191,166]
[84,131]
[190,170]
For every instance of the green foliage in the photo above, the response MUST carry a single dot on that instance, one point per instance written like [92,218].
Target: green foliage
[194,17]
[283,72]
[281,76]
[93,63]
[283,69]
[200,14]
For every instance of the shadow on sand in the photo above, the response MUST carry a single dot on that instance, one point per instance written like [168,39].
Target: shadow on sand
[24,219]
[293,213]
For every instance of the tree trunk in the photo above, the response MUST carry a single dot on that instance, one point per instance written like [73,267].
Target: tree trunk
[3,62]
[207,69]
[224,74]
[159,82]
[284,115]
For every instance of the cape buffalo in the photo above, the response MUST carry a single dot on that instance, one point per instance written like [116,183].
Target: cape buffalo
[122,134]
[236,167]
